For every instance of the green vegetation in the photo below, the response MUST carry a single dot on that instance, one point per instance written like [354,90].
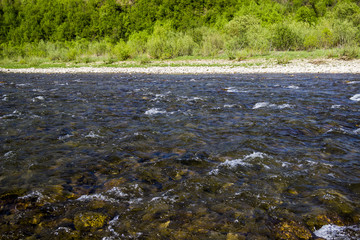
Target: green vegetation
[40,32]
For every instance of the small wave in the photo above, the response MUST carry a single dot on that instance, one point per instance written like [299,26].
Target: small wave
[332,231]
[97,196]
[356,97]
[117,192]
[352,82]
[66,229]
[335,106]
[38,98]
[236,162]
[114,222]
[15,113]
[260,105]
[5,98]
[229,105]
[164,198]
[65,137]
[234,90]
[154,111]
[293,87]
[267,104]
[9,154]
[34,194]
[92,135]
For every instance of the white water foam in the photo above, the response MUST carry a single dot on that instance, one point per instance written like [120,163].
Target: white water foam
[154,111]
[15,113]
[229,105]
[65,137]
[66,229]
[356,97]
[92,135]
[236,162]
[335,106]
[117,192]
[34,194]
[260,105]
[267,104]
[352,82]
[331,231]
[38,98]
[234,90]
[96,197]
[9,154]
[293,87]
[112,223]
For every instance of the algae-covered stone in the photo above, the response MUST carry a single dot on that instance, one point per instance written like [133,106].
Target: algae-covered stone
[234,236]
[89,221]
[335,200]
[292,230]
[114,183]
[317,221]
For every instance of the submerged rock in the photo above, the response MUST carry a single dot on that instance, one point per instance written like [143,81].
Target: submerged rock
[89,221]
[292,230]
[335,200]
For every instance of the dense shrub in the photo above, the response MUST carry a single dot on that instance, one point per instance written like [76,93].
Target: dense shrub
[137,43]
[284,38]
[121,51]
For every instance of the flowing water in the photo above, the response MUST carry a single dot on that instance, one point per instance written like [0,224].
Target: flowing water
[111,156]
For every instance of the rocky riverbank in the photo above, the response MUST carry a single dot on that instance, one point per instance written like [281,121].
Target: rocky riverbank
[214,67]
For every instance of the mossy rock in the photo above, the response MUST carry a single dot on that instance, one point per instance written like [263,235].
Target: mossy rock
[335,200]
[114,183]
[317,221]
[89,221]
[292,230]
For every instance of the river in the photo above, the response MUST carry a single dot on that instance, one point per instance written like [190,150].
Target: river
[116,156]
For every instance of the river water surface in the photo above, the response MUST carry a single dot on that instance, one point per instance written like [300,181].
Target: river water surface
[111,156]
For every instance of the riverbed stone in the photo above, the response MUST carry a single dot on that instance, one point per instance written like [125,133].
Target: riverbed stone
[292,230]
[335,200]
[89,221]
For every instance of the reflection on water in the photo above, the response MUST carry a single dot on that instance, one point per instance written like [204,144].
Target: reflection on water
[109,156]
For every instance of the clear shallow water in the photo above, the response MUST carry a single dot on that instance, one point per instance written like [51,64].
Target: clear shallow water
[109,156]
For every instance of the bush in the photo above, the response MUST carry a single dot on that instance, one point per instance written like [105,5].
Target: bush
[306,14]
[237,29]
[137,43]
[121,51]
[346,10]
[344,33]
[212,44]
[311,42]
[349,53]
[284,38]
[184,45]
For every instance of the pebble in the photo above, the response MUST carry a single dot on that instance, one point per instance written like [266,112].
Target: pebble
[295,66]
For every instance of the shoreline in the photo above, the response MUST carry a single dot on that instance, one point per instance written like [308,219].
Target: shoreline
[317,66]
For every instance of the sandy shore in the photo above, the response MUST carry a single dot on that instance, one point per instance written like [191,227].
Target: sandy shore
[225,67]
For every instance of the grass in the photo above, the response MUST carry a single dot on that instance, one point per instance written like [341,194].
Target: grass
[242,59]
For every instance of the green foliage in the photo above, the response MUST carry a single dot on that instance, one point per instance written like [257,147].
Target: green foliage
[121,50]
[344,33]
[306,14]
[213,43]
[284,38]
[346,10]
[68,30]
[137,43]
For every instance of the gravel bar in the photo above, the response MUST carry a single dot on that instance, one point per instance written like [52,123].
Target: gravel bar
[295,66]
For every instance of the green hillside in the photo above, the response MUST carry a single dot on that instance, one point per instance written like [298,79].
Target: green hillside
[84,30]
